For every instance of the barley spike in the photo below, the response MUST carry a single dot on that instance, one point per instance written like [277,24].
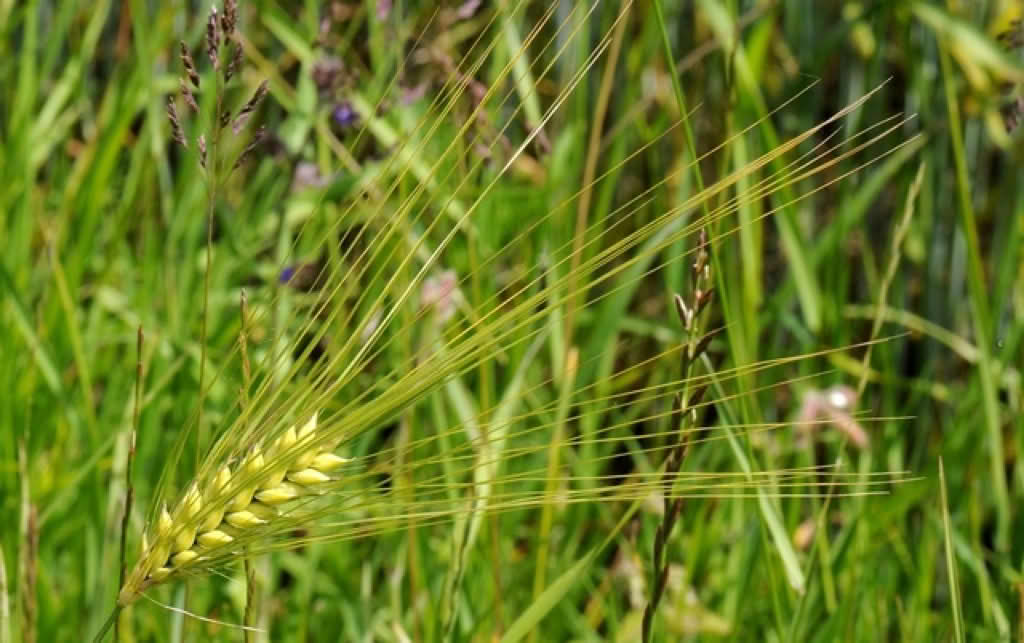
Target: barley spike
[215,512]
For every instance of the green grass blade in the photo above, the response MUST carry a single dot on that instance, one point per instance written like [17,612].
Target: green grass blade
[979,308]
[954,581]
[556,591]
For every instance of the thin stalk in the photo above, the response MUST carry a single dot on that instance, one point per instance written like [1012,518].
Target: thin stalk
[552,477]
[684,419]
[210,205]
[890,273]
[29,549]
[129,490]
[590,168]
[677,87]
[249,617]
[114,615]
[979,308]
[213,185]
[691,319]
[954,581]
[5,607]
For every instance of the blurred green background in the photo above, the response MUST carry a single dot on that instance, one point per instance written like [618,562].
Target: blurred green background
[103,230]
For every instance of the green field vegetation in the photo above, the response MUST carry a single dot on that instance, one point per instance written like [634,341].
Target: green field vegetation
[459,234]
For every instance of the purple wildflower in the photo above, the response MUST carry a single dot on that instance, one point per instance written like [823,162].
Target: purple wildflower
[344,115]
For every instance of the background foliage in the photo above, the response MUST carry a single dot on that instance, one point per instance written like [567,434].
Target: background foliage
[104,230]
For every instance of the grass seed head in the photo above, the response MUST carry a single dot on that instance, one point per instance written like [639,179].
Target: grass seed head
[213,38]
[230,18]
[233,504]
[235,62]
[190,98]
[177,133]
[251,147]
[249,108]
[189,64]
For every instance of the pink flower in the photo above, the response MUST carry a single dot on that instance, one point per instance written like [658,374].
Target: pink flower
[832,406]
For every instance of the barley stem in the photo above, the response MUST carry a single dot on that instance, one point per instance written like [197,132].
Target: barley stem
[249,617]
[129,490]
[114,615]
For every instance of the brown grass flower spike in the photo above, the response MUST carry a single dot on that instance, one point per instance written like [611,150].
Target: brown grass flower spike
[685,418]
[213,38]
[190,98]
[176,132]
[249,107]
[236,60]
[189,64]
[229,18]
[250,148]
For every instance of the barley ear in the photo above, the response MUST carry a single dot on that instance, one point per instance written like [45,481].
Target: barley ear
[234,503]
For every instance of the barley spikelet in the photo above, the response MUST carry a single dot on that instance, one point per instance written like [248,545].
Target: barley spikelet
[236,503]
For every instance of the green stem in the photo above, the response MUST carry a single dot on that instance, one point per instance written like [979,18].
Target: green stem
[213,183]
[979,309]
[248,620]
[108,624]
[250,570]
[129,490]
